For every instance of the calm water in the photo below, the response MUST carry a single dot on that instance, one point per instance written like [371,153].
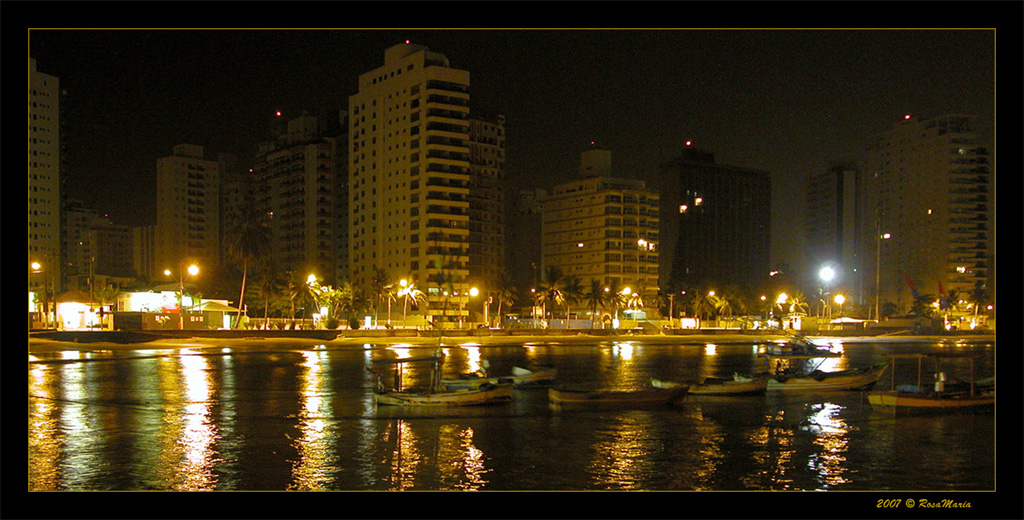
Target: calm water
[277,416]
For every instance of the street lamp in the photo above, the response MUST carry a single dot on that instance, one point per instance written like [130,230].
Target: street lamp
[404,293]
[44,311]
[827,274]
[192,270]
[473,292]
[878,271]
[840,299]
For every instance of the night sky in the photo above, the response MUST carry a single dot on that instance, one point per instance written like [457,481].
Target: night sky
[790,102]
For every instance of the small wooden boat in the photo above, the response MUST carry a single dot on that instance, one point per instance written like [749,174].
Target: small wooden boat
[816,380]
[942,398]
[520,377]
[566,399]
[486,393]
[435,394]
[735,385]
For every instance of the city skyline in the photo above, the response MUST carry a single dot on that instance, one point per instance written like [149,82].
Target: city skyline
[749,97]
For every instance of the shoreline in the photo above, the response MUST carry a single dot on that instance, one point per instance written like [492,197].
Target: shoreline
[50,341]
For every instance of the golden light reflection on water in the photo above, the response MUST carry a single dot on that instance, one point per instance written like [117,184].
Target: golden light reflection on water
[773,453]
[832,437]
[316,459]
[189,433]
[623,458]
[461,463]
[77,424]
[404,458]
[45,440]
[449,449]
[472,358]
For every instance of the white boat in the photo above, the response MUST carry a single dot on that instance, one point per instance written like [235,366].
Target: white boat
[435,394]
[735,385]
[520,377]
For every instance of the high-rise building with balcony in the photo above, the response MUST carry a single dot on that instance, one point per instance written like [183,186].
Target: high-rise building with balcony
[929,187]
[98,251]
[409,177]
[187,211]
[715,223]
[295,178]
[832,223]
[603,228]
[44,178]
[487,202]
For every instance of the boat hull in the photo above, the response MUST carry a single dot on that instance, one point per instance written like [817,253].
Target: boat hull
[721,387]
[845,380]
[519,377]
[734,387]
[581,399]
[482,395]
[907,403]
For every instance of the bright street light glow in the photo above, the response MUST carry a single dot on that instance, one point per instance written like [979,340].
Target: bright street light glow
[827,274]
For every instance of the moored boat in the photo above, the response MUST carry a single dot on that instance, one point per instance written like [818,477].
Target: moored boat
[435,394]
[486,393]
[520,377]
[816,380]
[565,399]
[942,398]
[735,385]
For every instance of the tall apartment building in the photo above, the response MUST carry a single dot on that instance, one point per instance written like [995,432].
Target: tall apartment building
[930,188]
[603,228]
[523,251]
[187,211]
[144,251]
[98,251]
[409,177]
[487,202]
[44,177]
[715,223]
[832,223]
[295,182]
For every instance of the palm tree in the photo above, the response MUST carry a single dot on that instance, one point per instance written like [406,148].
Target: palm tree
[572,292]
[701,303]
[410,292]
[550,287]
[247,241]
[924,305]
[797,303]
[594,297]
[270,286]
[106,294]
[296,288]
[505,292]
[613,296]
[978,297]
[379,283]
